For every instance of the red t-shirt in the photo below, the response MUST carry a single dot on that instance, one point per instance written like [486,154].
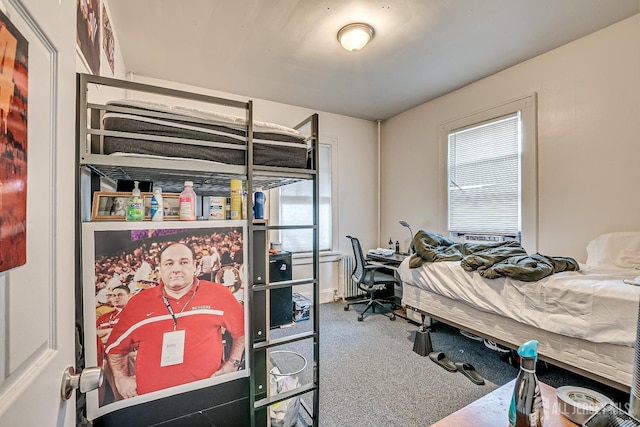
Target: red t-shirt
[106,321]
[145,320]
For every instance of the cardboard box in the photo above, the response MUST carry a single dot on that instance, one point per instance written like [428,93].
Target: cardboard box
[301,305]
[217,207]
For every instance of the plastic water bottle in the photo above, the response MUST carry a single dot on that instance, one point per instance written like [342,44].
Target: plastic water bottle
[526,404]
[157,205]
[259,200]
[135,205]
[188,202]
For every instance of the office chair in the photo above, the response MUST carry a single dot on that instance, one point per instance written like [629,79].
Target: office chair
[370,280]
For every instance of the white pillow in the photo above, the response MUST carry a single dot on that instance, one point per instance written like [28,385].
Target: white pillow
[620,249]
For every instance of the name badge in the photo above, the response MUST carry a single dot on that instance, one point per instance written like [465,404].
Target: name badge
[172,348]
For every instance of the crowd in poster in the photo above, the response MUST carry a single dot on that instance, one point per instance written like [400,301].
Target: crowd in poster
[166,309]
[13,145]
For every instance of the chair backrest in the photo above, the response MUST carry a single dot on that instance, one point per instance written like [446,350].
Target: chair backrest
[358,271]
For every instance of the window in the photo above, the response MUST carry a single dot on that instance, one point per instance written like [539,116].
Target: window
[484,177]
[296,208]
[490,167]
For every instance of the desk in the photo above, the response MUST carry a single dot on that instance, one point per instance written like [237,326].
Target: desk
[392,260]
[391,263]
[493,410]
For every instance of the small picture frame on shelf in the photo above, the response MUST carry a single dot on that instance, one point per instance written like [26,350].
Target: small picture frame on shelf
[110,206]
[170,202]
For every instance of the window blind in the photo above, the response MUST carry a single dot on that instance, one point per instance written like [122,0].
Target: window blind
[296,208]
[484,177]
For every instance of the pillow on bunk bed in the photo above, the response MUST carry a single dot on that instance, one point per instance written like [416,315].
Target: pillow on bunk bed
[619,249]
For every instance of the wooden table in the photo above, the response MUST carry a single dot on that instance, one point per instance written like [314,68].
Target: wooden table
[493,410]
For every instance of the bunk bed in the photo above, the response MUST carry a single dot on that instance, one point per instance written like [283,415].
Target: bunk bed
[167,136]
[584,320]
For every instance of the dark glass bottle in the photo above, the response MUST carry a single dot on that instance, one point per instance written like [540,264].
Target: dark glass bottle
[526,404]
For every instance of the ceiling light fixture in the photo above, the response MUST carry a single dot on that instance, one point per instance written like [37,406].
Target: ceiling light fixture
[354,37]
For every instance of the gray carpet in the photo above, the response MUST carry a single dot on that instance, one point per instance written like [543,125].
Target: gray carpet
[370,376]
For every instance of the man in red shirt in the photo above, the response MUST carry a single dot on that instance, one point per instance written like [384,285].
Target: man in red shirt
[176,329]
[118,297]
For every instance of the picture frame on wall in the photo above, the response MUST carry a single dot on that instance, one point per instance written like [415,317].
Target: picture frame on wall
[14,105]
[112,205]
[127,267]
[88,32]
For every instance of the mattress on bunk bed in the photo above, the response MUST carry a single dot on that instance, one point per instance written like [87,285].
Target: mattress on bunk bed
[274,145]
[593,304]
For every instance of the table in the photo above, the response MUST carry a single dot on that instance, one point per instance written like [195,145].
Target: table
[391,261]
[493,410]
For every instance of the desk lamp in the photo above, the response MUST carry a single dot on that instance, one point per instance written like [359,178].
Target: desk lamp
[404,224]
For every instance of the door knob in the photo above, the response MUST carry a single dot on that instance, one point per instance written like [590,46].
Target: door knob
[89,379]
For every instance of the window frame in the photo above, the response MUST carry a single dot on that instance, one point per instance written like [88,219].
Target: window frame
[527,106]
[274,206]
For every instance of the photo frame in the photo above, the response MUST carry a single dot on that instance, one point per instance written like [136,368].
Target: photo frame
[13,145]
[117,254]
[112,205]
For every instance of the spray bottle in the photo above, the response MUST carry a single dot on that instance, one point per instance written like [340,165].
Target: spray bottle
[526,404]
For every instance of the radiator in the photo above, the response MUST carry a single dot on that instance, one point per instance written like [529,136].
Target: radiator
[348,288]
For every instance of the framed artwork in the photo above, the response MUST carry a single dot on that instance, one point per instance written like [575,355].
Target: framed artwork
[108,43]
[112,206]
[88,33]
[155,304]
[13,145]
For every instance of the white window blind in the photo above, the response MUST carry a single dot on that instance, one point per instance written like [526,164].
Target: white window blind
[484,177]
[296,208]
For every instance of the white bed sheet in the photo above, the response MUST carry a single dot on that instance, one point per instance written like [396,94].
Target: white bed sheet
[593,304]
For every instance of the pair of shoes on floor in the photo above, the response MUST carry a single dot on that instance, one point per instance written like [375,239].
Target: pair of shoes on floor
[465,368]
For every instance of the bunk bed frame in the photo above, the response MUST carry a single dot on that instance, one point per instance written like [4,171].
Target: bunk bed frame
[244,401]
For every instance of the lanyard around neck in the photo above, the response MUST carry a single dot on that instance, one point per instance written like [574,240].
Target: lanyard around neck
[170,309]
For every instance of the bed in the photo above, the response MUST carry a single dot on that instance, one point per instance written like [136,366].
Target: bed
[133,128]
[584,320]
[161,135]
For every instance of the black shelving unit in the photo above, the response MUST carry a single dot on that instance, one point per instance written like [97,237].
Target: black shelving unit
[245,401]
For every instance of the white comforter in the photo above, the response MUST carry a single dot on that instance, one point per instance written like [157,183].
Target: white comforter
[593,304]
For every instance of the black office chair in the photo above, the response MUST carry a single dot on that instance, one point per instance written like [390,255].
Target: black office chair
[371,280]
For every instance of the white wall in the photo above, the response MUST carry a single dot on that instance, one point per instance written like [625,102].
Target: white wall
[588,142]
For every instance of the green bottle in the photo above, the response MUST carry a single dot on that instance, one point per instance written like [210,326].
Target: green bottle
[135,206]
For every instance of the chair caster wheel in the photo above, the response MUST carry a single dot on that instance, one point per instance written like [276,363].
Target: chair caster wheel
[346,308]
[392,318]
[360,318]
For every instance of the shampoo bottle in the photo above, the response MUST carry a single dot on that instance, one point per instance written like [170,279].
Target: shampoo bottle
[135,205]
[188,202]
[390,243]
[157,205]
[526,403]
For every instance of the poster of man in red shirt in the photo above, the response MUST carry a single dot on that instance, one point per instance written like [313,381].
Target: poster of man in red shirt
[176,331]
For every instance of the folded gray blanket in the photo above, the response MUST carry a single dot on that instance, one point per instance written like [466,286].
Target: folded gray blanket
[491,260]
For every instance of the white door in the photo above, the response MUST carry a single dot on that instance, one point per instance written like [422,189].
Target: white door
[37,299]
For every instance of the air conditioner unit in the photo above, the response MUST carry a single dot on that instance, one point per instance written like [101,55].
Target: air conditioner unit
[485,238]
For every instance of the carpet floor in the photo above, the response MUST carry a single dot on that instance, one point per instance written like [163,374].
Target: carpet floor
[370,376]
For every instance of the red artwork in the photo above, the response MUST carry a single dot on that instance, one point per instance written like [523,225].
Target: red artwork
[13,145]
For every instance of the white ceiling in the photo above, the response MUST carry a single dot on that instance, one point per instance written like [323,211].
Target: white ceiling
[287,50]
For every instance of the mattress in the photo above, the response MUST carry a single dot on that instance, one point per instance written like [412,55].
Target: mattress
[593,304]
[144,128]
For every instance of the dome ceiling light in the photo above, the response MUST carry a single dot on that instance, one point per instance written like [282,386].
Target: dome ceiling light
[355,36]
